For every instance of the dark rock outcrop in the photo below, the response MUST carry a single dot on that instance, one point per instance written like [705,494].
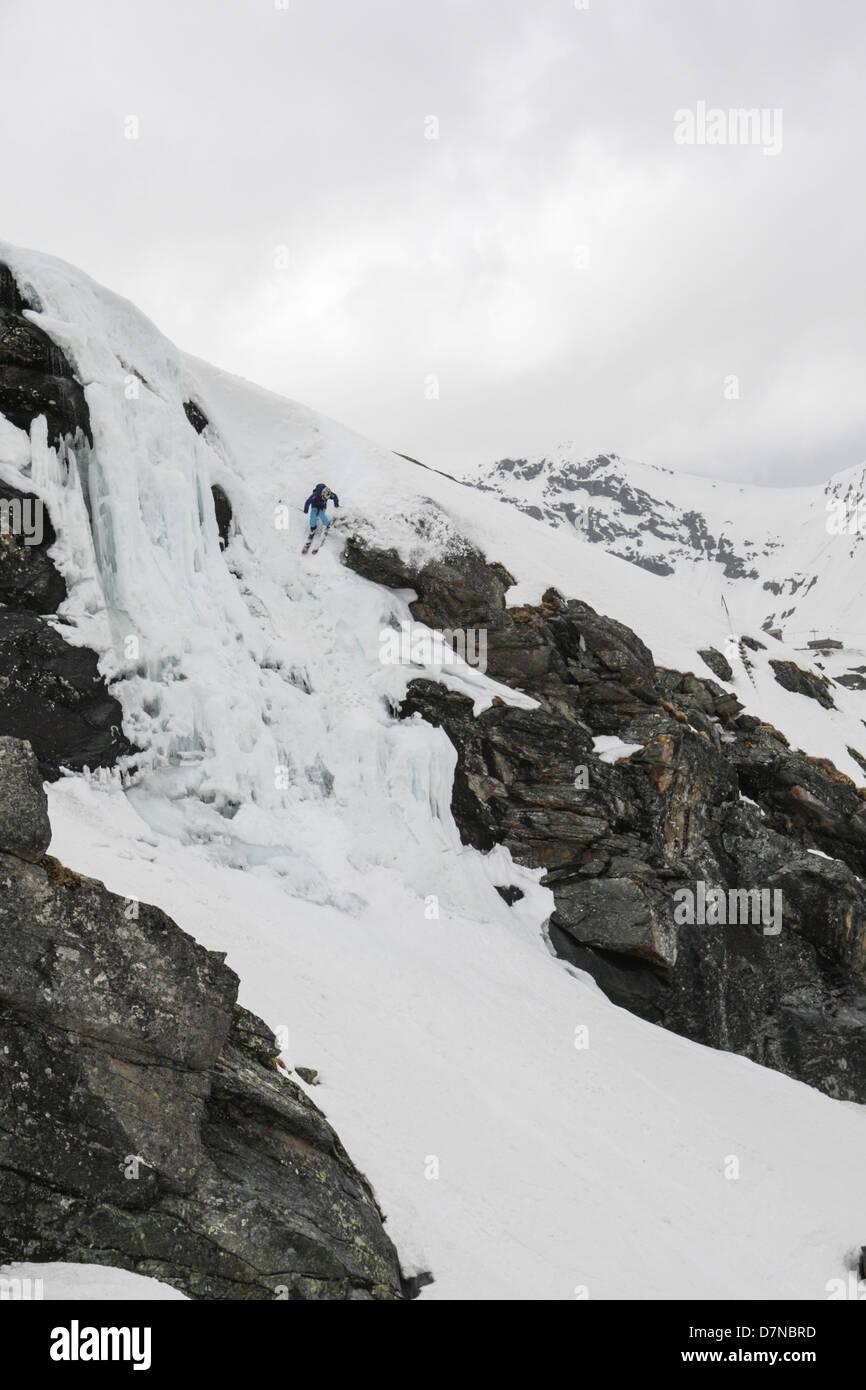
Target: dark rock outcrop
[36,377]
[806,798]
[625,843]
[25,393]
[51,693]
[792,677]
[223,511]
[145,1123]
[24,827]
[509,893]
[196,416]
[29,579]
[718,664]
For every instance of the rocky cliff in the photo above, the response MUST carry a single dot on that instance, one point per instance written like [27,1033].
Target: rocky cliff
[708,796]
[51,692]
[144,1122]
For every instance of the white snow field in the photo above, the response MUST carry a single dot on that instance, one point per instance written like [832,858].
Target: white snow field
[525,1138]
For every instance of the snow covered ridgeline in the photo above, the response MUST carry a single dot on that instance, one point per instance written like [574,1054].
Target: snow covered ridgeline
[329,933]
[786,558]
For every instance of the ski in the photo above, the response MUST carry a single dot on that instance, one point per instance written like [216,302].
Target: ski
[327,532]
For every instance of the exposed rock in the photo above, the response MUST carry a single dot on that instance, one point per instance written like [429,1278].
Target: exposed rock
[615,914]
[858,757]
[196,416]
[24,827]
[145,1124]
[53,695]
[36,377]
[22,344]
[29,579]
[10,296]
[618,844]
[718,664]
[801,682]
[509,894]
[24,394]
[748,723]
[223,510]
[308,1074]
[805,798]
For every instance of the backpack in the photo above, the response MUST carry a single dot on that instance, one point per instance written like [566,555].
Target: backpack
[321,495]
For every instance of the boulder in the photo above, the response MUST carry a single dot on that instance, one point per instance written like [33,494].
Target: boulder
[792,677]
[718,664]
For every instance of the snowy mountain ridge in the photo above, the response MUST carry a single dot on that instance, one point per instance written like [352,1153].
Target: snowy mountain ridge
[790,559]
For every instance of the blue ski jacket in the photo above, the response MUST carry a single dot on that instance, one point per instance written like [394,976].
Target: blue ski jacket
[316,500]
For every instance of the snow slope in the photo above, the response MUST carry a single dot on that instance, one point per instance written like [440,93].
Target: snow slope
[281,813]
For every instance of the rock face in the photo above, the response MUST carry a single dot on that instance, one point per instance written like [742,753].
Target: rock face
[29,580]
[223,512]
[627,845]
[196,416]
[801,682]
[718,664]
[51,693]
[35,375]
[24,827]
[145,1124]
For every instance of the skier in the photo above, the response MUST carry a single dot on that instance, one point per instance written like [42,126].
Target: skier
[317,505]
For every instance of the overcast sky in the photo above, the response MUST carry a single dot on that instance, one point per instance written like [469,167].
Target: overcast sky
[555,264]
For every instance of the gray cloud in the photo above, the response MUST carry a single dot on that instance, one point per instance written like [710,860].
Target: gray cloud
[559,264]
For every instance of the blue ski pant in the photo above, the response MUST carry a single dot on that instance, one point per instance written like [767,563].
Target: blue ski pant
[318,514]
